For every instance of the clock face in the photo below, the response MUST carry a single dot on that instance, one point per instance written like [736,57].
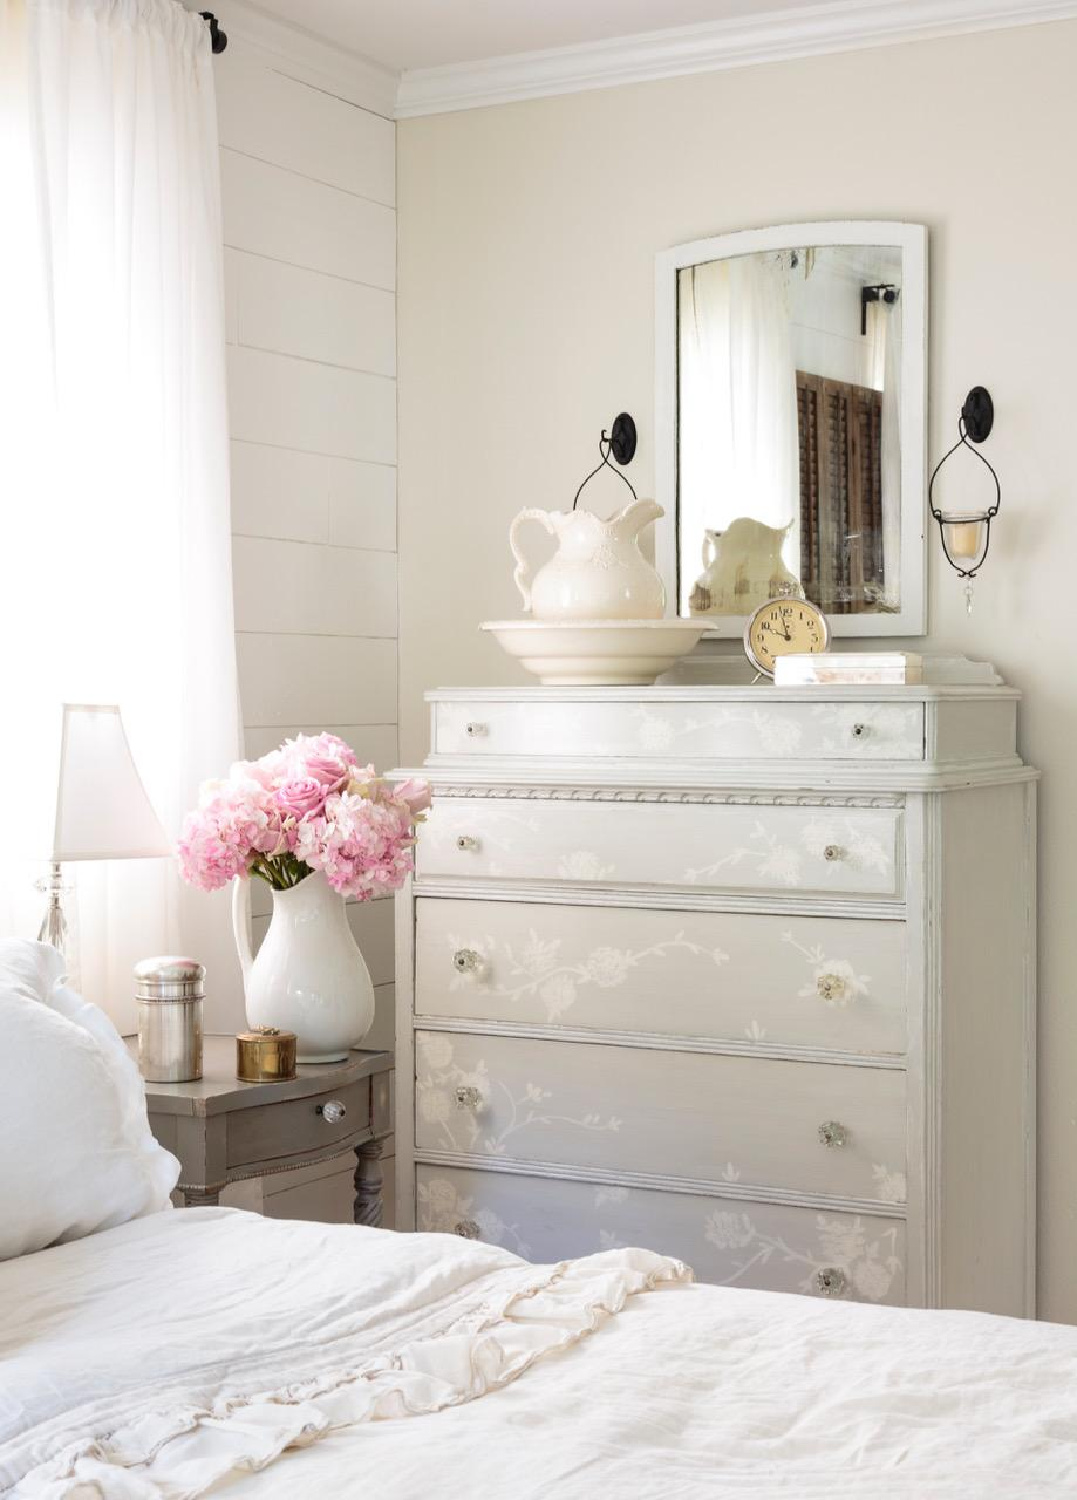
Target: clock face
[782,626]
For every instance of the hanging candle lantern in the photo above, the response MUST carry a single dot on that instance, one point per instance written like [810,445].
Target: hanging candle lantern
[966,533]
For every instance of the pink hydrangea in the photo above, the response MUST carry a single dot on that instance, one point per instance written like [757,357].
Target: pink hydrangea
[306,806]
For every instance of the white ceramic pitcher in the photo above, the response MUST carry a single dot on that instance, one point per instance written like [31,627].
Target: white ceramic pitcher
[308,976]
[598,571]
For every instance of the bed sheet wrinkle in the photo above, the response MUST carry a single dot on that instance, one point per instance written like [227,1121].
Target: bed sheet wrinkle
[172,1377]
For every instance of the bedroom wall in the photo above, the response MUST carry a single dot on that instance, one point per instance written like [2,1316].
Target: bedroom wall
[527,236]
[308,190]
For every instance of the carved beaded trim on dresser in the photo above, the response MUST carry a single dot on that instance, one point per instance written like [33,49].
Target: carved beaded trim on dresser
[519,793]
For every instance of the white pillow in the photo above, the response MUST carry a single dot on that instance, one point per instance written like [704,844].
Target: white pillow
[76,1152]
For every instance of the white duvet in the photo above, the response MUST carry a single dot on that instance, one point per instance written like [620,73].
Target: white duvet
[174,1355]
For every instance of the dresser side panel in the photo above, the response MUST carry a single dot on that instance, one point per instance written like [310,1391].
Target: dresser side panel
[405,1058]
[987,935]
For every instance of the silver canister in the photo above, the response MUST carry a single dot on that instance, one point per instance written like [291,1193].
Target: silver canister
[169,993]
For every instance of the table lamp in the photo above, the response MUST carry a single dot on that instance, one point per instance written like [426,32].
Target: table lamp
[102,810]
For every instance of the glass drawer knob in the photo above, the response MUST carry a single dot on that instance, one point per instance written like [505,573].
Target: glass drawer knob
[467,1229]
[833,852]
[832,1134]
[476,731]
[333,1111]
[830,1281]
[830,986]
[466,841]
[468,1097]
[859,731]
[466,960]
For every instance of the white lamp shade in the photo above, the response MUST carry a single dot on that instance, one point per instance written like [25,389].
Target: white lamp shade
[102,810]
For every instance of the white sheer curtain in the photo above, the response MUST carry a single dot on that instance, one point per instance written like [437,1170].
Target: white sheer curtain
[114,504]
[737,410]
[884,374]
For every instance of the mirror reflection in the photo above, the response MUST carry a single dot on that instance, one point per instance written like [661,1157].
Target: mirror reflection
[788,442]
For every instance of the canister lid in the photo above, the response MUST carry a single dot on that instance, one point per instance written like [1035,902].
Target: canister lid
[170,977]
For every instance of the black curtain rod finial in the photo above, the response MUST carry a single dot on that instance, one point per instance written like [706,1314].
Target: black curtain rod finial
[218,39]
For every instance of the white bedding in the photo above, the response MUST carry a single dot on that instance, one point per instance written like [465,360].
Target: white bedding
[684,1391]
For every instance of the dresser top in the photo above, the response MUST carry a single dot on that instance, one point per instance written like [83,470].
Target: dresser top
[760,694]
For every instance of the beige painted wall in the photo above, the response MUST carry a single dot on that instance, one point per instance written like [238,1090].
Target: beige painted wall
[527,236]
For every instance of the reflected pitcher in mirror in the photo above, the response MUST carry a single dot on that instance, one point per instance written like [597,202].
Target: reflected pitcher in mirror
[790,423]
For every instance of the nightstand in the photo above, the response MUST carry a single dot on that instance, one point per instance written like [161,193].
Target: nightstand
[224,1131]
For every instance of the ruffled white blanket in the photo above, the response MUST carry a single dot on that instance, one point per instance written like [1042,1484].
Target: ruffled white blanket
[152,1359]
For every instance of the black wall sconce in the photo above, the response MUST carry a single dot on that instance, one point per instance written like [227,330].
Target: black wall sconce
[966,535]
[883,291]
[620,445]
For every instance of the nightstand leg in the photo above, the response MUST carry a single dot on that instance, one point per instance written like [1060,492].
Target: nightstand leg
[194,1198]
[368,1185]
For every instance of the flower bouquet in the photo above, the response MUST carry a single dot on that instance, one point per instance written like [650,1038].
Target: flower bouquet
[317,827]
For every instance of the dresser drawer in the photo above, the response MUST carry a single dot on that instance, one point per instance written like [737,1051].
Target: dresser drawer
[854,851]
[687,1115]
[731,1242]
[824,982]
[270,1131]
[753,727]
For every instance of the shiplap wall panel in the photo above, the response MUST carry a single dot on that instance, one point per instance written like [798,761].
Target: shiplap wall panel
[309,497]
[310,268]
[280,120]
[315,408]
[274,212]
[362,504]
[304,589]
[293,310]
[309,679]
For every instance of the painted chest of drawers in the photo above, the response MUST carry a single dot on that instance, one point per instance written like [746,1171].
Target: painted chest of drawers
[745,975]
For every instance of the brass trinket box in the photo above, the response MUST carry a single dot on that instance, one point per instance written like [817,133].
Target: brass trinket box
[265,1055]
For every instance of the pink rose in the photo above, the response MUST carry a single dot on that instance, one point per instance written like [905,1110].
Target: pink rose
[332,774]
[414,792]
[301,796]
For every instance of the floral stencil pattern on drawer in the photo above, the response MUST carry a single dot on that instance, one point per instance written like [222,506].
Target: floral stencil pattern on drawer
[534,969]
[868,1265]
[455,1101]
[746,978]
[779,862]
[443,1209]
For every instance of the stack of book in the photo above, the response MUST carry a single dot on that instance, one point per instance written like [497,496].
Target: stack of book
[831,668]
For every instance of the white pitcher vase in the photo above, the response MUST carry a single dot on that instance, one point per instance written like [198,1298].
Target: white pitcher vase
[308,976]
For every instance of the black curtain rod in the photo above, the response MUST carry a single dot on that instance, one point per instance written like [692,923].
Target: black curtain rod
[218,39]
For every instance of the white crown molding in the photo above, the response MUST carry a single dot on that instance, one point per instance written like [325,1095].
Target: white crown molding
[837,26]
[311,59]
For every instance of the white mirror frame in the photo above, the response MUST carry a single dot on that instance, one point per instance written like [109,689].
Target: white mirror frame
[911,618]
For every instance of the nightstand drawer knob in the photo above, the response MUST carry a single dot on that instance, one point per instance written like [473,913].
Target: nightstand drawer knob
[467,842]
[333,1111]
[830,1281]
[833,852]
[466,961]
[476,731]
[833,1135]
[860,731]
[468,1097]
[467,1229]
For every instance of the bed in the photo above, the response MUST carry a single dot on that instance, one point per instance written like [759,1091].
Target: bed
[210,1351]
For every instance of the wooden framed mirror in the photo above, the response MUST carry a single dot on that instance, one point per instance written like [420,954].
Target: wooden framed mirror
[791,383]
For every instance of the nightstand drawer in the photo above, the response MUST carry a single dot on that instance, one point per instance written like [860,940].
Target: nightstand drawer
[293,1127]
